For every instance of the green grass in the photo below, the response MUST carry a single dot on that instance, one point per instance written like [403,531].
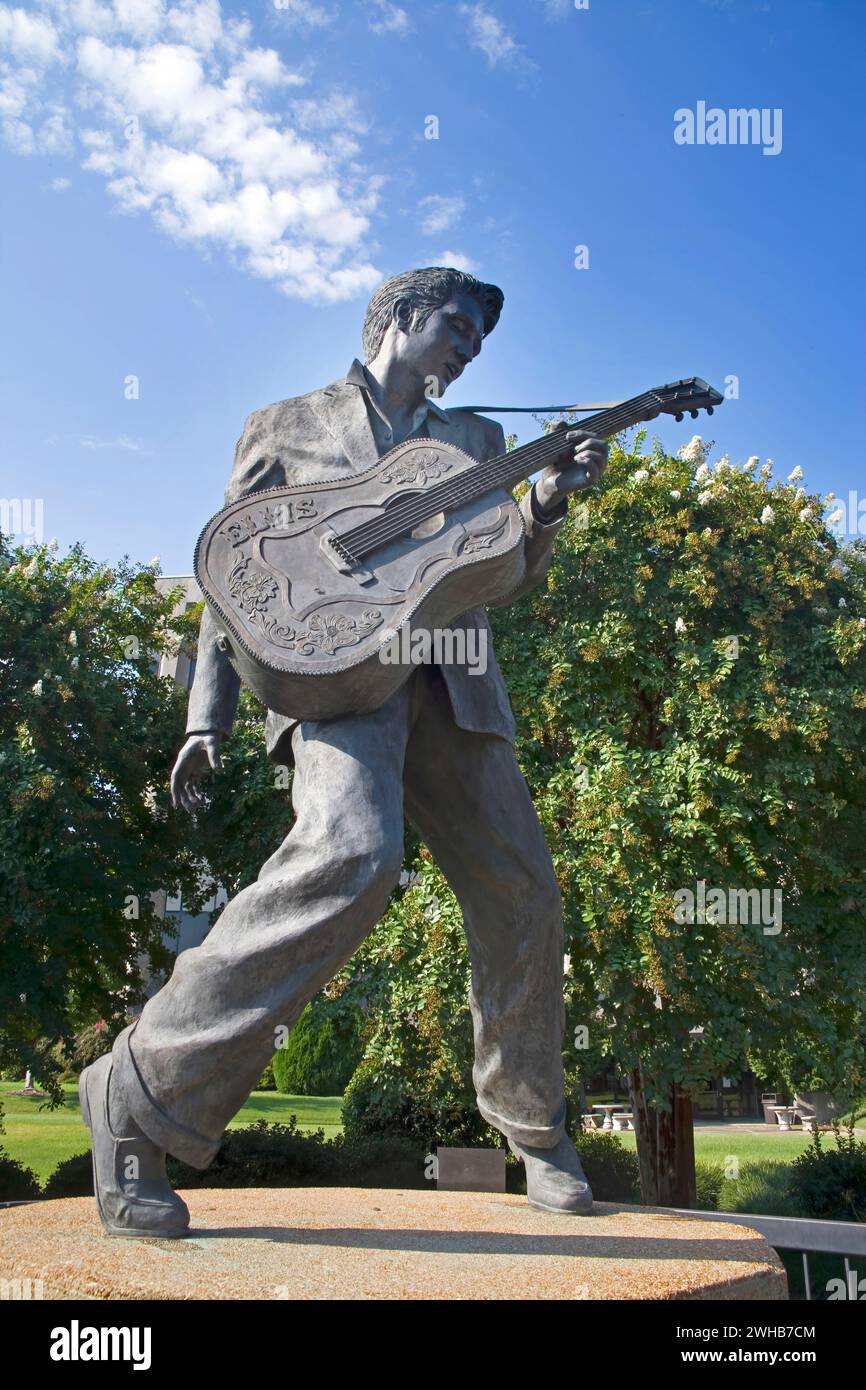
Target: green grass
[40,1139]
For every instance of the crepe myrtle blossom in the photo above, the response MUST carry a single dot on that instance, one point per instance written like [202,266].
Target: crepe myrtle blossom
[30,570]
[751,462]
[693,452]
[766,469]
[37,688]
[805,513]
[723,463]
[72,639]
[679,626]
[836,517]
[705,497]
[796,475]
[702,473]
[676,494]
[822,612]
[767,515]
[843,603]
[640,476]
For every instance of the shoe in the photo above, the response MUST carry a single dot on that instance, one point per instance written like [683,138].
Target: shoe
[555,1180]
[144,1205]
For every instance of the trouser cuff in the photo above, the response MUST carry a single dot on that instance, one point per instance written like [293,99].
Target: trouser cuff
[160,1128]
[532,1136]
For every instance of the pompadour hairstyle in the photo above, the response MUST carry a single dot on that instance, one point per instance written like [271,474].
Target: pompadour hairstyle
[426,290]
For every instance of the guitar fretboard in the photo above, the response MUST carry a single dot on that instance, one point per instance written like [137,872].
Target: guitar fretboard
[506,470]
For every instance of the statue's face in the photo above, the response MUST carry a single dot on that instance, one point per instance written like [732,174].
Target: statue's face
[449,340]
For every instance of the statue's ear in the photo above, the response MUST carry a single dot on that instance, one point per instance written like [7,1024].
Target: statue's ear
[402,314]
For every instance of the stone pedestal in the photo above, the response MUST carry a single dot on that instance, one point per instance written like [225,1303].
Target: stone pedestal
[366,1243]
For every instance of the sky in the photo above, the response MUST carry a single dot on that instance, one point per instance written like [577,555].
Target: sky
[198,199]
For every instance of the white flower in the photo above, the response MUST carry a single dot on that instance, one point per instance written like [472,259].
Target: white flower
[839,567]
[751,463]
[679,626]
[74,663]
[705,497]
[676,494]
[801,492]
[861,622]
[640,476]
[831,497]
[707,531]
[702,473]
[72,639]
[822,612]
[843,603]
[767,515]
[805,513]
[54,543]
[693,452]
[836,518]
[37,688]
[153,564]
[723,463]
[766,469]
[796,475]
[31,569]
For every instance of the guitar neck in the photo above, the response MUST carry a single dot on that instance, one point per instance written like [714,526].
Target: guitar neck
[509,469]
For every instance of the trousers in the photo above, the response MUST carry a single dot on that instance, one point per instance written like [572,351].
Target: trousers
[190,1060]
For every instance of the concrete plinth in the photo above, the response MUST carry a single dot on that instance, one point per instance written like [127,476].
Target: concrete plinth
[365,1243]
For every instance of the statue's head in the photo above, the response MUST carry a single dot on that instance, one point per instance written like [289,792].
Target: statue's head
[434,320]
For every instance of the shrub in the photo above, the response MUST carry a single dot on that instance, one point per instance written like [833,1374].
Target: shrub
[17,1183]
[320,1055]
[71,1178]
[376,1104]
[831,1184]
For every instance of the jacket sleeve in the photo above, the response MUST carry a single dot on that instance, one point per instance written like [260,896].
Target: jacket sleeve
[540,535]
[216,685]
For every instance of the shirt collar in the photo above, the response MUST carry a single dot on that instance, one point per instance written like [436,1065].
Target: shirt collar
[357,376]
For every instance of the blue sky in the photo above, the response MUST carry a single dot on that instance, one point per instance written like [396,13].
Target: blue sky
[204,195]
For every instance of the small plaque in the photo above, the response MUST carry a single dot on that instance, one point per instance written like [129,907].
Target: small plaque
[470,1170]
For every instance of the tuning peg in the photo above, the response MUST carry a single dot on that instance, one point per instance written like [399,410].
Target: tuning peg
[694,414]
[709,410]
[678,417]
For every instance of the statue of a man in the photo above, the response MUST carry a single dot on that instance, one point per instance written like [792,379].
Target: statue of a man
[440,751]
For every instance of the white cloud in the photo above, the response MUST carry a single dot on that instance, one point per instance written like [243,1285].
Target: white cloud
[487,32]
[456,260]
[439,213]
[303,12]
[391,19]
[189,122]
[60,185]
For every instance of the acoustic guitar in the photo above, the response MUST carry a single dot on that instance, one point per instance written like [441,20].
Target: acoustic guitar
[309,583]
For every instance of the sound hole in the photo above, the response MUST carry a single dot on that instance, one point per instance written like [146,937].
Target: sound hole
[429,527]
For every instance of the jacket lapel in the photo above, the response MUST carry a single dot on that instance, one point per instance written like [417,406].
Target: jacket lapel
[342,409]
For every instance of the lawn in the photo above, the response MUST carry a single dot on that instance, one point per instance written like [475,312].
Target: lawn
[40,1139]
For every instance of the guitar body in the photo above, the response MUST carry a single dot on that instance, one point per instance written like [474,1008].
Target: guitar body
[303,626]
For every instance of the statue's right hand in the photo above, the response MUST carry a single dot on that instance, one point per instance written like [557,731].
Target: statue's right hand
[198,753]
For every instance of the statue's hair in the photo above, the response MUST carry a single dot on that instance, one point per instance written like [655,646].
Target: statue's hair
[426,290]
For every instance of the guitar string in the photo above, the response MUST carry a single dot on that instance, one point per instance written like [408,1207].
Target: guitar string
[373,534]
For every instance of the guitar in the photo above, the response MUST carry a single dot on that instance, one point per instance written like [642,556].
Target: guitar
[308,583]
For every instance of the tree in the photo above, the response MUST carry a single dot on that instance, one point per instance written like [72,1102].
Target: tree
[87,733]
[690,688]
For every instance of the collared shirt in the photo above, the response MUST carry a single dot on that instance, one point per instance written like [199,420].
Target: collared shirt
[383,430]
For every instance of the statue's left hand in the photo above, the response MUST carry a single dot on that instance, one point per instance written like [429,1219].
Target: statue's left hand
[583,460]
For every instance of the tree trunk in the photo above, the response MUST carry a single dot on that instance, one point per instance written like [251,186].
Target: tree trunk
[665,1147]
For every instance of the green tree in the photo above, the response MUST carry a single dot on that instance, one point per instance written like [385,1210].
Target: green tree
[86,833]
[690,688]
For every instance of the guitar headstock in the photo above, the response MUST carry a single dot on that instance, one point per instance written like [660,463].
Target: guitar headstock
[692,395]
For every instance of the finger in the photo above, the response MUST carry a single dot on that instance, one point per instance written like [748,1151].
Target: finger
[213,755]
